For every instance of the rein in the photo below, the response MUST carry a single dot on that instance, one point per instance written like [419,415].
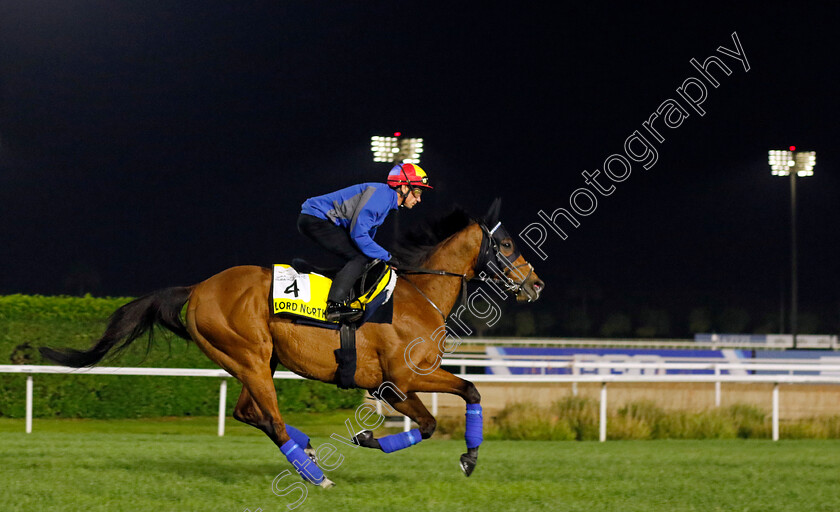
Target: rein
[428,271]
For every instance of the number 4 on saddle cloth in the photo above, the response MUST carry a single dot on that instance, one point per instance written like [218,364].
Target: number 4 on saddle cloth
[300,291]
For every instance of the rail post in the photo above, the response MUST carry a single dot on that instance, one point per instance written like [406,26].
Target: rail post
[602,436]
[717,386]
[775,411]
[222,400]
[29,386]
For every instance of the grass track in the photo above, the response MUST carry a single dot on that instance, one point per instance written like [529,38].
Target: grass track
[86,468]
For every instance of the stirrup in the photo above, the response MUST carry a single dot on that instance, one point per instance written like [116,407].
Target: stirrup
[340,312]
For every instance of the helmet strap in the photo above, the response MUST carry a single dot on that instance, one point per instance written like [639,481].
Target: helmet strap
[399,187]
[402,168]
[402,194]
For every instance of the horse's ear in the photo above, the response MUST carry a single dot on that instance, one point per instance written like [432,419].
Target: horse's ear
[492,215]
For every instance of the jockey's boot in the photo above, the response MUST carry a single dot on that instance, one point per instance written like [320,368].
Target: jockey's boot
[341,312]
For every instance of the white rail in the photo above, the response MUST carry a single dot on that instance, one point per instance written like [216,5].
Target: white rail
[825,358]
[831,343]
[109,370]
[640,375]
[746,365]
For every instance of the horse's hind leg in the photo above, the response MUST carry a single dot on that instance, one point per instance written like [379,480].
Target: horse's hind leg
[414,409]
[259,384]
[247,357]
[247,411]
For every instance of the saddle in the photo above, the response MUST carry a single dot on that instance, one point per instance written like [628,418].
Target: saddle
[300,291]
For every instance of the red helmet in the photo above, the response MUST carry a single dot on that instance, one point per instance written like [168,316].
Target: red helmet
[408,174]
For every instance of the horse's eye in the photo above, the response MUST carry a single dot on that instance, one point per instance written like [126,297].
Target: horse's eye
[507,245]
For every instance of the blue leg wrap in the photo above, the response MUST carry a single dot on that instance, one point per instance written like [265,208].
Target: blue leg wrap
[399,441]
[475,427]
[304,465]
[299,437]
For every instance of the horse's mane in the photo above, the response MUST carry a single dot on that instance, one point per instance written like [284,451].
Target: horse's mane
[413,247]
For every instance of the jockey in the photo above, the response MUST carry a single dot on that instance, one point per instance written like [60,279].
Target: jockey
[344,223]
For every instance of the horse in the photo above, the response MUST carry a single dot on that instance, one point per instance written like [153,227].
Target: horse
[228,318]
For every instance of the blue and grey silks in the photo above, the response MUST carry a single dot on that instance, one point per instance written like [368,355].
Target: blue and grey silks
[360,209]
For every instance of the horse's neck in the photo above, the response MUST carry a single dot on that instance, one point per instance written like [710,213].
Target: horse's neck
[458,255]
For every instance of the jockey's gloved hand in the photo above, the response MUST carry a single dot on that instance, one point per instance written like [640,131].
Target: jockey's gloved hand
[395,263]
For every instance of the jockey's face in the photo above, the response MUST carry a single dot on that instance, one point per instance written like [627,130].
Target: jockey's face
[410,199]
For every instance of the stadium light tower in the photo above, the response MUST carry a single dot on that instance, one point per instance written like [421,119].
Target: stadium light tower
[794,164]
[396,149]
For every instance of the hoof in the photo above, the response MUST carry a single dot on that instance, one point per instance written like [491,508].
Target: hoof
[326,483]
[365,438]
[468,463]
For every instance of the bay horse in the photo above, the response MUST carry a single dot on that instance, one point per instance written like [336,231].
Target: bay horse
[228,317]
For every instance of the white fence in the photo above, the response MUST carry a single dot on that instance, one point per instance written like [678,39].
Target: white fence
[771,342]
[629,372]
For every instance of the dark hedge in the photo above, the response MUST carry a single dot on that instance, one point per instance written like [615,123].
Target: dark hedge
[27,322]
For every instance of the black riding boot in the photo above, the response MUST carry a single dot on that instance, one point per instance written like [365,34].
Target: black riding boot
[337,308]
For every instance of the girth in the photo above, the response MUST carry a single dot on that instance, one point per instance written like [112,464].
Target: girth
[345,376]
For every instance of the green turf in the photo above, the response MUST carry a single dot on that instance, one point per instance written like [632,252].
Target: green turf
[316,424]
[177,465]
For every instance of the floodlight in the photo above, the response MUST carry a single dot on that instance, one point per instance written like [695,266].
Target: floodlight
[396,149]
[805,161]
[383,148]
[783,162]
[794,164]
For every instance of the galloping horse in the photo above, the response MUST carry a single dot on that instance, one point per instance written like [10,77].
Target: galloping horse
[228,317]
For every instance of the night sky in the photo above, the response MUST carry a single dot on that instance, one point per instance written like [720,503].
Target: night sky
[151,144]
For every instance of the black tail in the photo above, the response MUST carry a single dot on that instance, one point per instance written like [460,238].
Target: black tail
[128,323]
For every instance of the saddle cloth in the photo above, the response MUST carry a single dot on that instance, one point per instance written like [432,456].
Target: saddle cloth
[304,295]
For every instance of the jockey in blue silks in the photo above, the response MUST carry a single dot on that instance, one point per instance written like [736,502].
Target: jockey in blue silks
[344,223]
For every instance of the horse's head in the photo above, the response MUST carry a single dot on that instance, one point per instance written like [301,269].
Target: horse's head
[500,261]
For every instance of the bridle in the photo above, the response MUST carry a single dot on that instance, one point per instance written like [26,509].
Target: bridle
[490,243]
[487,269]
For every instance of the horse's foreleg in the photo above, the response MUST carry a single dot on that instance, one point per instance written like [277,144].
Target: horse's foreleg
[415,410]
[441,381]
